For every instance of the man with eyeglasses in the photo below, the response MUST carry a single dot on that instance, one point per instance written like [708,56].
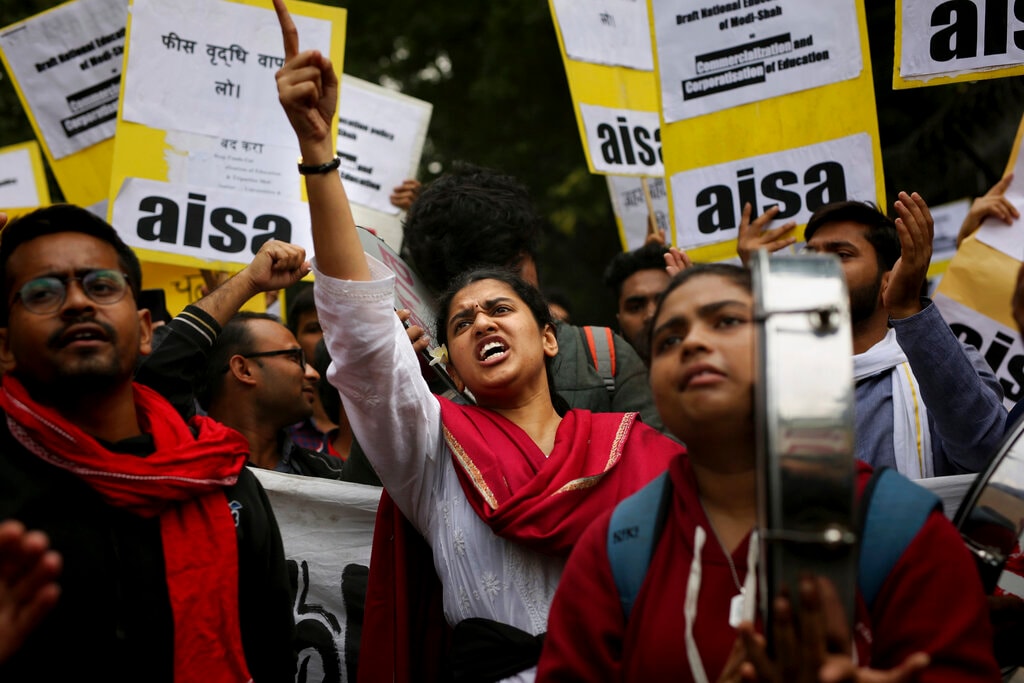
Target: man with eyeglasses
[172,562]
[246,369]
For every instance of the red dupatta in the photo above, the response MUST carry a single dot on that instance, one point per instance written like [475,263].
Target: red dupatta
[541,502]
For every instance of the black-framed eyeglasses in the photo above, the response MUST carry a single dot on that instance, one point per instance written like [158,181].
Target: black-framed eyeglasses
[296,354]
[45,295]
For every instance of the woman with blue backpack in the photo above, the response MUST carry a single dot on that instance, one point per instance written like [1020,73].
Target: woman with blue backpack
[683,610]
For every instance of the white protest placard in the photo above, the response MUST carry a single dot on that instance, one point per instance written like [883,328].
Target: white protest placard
[948,219]
[230,163]
[943,38]
[630,207]
[18,187]
[68,66]
[1000,345]
[206,223]
[714,55]
[207,66]
[623,141]
[709,201]
[204,164]
[1008,239]
[410,293]
[612,32]
[380,141]
[327,530]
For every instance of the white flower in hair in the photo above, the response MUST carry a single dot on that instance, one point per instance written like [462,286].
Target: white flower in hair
[439,355]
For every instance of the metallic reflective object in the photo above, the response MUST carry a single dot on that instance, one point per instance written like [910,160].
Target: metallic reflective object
[991,516]
[804,413]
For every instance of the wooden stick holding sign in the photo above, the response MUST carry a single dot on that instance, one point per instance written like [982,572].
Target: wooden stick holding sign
[652,220]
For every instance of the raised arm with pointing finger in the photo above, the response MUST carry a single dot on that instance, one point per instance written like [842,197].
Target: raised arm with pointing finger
[308,90]
[500,491]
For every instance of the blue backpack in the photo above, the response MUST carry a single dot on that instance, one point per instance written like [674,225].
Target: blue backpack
[896,510]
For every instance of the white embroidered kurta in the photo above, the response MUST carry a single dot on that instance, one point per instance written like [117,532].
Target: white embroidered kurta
[397,421]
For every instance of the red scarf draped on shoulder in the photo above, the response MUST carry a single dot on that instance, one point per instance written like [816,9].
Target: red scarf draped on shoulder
[544,503]
[181,482]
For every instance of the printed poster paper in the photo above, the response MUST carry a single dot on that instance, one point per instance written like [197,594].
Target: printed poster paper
[22,179]
[630,207]
[193,226]
[717,55]
[380,141]
[68,65]
[948,219]
[999,344]
[939,42]
[65,66]
[204,67]
[994,232]
[602,93]
[204,164]
[623,141]
[709,201]
[976,291]
[611,32]
[767,127]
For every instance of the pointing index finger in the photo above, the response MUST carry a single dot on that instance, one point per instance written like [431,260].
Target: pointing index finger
[288,30]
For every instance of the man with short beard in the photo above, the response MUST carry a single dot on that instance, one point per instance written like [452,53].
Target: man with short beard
[173,566]
[926,403]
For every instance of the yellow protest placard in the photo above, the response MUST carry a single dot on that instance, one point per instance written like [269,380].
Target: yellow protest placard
[606,50]
[976,290]
[940,42]
[204,163]
[183,286]
[768,105]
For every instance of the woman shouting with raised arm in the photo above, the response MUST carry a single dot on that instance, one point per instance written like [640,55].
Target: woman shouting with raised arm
[500,491]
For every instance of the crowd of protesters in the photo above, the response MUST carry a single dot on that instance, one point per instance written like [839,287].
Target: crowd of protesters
[137,543]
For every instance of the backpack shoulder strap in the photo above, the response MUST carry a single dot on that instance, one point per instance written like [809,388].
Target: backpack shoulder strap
[895,510]
[600,344]
[633,533]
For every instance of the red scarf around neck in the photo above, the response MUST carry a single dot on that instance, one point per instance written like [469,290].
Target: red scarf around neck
[545,502]
[541,502]
[182,482]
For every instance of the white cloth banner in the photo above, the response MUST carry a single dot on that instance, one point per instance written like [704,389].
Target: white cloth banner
[327,528]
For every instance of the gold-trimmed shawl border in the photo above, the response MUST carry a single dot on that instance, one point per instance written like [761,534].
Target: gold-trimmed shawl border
[471,469]
[618,445]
